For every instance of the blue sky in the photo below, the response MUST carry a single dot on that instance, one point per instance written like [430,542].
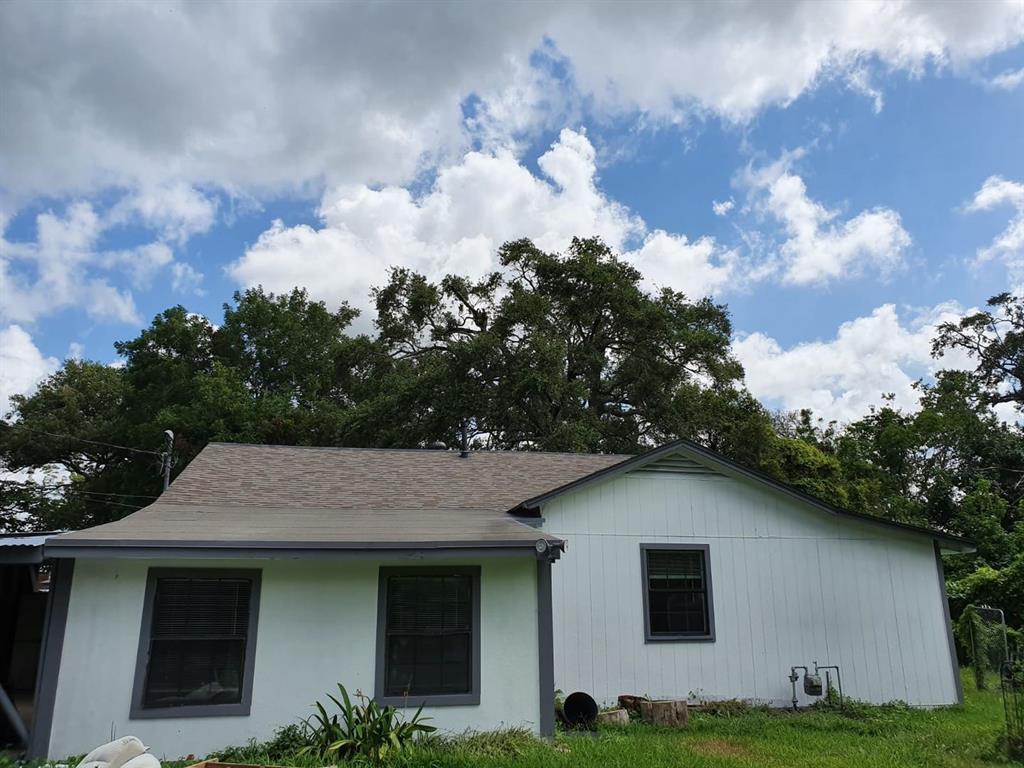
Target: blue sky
[870,158]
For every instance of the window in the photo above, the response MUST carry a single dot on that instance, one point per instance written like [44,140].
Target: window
[677,592]
[428,644]
[198,643]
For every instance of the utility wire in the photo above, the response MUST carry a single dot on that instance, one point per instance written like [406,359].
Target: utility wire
[83,440]
[128,505]
[42,487]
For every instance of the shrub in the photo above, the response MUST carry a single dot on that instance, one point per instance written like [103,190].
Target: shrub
[363,731]
[285,744]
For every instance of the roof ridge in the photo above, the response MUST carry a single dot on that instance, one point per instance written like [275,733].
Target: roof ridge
[438,451]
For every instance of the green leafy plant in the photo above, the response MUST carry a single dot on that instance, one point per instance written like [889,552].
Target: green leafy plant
[361,731]
[978,638]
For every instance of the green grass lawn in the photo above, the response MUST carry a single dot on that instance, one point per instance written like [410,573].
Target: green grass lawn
[864,737]
[955,738]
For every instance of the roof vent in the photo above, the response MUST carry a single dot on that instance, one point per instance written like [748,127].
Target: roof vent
[438,445]
[675,464]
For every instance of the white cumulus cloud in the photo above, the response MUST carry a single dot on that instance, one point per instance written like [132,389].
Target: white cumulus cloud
[1007,81]
[285,96]
[471,209]
[722,208]
[22,365]
[65,265]
[820,246]
[56,271]
[840,378]
[1008,245]
[176,211]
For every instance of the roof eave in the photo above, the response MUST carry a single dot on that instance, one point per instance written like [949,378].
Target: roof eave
[151,549]
[532,507]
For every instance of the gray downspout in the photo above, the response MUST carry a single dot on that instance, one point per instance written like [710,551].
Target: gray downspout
[49,660]
[545,646]
[949,624]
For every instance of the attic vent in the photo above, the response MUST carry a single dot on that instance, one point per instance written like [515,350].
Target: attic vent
[675,464]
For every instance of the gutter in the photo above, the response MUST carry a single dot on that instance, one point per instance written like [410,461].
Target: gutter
[74,548]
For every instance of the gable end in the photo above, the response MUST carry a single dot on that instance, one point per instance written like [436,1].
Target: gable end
[675,464]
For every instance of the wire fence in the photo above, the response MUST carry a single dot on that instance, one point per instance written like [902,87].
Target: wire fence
[1011,680]
[995,658]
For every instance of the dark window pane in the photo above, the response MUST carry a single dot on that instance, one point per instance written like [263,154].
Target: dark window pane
[428,635]
[677,593]
[197,642]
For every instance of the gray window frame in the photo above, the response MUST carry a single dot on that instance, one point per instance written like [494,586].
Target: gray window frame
[137,711]
[709,636]
[430,700]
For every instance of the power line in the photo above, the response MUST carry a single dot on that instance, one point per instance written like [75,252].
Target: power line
[84,440]
[71,487]
[41,486]
[110,502]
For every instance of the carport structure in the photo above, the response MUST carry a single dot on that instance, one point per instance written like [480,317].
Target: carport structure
[24,607]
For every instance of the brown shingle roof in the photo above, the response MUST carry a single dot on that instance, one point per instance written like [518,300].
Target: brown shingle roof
[261,495]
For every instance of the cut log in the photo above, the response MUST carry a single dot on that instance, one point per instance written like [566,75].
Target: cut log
[631,702]
[672,713]
[614,717]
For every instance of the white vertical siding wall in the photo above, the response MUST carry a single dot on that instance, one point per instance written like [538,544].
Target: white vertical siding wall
[317,627]
[791,585]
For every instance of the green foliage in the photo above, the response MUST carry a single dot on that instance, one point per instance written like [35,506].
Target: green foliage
[282,749]
[564,352]
[555,351]
[362,730]
[888,736]
[981,643]
[994,339]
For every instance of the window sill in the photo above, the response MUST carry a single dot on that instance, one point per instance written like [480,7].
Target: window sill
[679,639]
[437,700]
[193,710]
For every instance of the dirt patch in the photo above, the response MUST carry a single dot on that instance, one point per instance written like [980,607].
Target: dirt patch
[721,748]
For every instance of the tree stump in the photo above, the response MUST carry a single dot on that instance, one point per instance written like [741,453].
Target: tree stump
[614,717]
[631,703]
[672,713]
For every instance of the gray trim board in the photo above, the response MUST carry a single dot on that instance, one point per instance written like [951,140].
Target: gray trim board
[31,555]
[949,625]
[733,469]
[137,711]
[442,700]
[688,638]
[222,550]
[54,628]
[545,647]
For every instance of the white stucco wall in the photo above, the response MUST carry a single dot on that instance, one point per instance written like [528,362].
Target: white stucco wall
[317,627]
[791,585]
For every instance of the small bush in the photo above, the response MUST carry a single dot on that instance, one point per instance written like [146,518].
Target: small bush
[861,710]
[724,707]
[282,748]
[363,731]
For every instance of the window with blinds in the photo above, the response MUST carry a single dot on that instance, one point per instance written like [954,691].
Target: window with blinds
[677,594]
[198,637]
[428,635]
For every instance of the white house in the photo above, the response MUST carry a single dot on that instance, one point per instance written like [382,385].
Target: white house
[267,574]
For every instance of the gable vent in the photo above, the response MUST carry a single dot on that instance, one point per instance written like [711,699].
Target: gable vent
[675,464]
